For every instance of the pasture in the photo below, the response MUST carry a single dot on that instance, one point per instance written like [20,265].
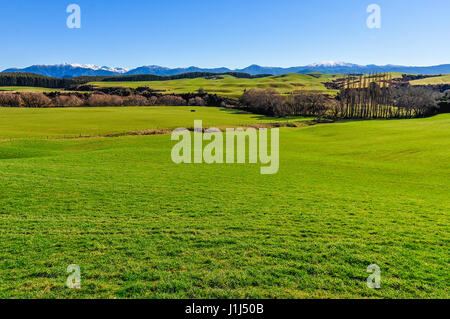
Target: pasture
[347,195]
[101,121]
[229,86]
[26,89]
[444,79]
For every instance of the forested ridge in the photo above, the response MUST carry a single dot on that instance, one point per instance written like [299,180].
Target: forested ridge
[37,80]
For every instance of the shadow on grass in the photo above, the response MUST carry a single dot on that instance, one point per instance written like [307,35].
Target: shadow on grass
[264,117]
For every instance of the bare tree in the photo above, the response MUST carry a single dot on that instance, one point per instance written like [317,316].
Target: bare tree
[171,100]
[196,101]
[135,100]
[35,99]
[67,101]
[10,99]
[416,101]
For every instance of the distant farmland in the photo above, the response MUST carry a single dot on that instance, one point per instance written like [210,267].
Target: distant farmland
[444,79]
[229,86]
[233,87]
[26,89]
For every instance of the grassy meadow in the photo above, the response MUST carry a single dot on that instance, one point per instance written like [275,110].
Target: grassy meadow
[26,89]
[444,79]
[223,85]
[230,86]
[347,195]
[101,121]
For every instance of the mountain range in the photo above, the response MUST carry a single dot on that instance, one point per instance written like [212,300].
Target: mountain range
[72,70]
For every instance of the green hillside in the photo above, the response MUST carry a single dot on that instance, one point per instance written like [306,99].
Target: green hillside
[444,79]
[230,86]
[347,195]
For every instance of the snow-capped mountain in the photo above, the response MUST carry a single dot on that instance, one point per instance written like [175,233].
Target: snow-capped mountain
[96,67]
[331,64]
[67,70]
[72,70]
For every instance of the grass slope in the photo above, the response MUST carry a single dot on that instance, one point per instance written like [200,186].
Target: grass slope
[99,121]
[444,79]
[230,86]
[347,195]
[27,89]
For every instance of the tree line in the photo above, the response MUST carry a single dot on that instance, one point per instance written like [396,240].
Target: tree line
[34,80]
[37,80]
[373,97]
[298,103]
[360,97]
[116,97]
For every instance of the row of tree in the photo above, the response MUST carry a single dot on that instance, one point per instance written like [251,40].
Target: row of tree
[444,103]
[298,103]
[373,97]
[363,97]
[41,100]
[34,80]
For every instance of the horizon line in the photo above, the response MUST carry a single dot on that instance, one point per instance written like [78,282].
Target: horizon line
[337,64]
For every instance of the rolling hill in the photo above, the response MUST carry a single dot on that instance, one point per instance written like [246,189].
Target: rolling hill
[230,86]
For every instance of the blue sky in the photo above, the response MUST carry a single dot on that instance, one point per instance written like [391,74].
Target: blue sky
[231,33]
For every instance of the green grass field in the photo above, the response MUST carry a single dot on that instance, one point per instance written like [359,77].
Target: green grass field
[233,87]
[230,86]
[101,121]
[26,89]
[347,195]
[444,79]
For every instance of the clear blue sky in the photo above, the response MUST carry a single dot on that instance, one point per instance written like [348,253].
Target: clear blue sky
[231,33]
